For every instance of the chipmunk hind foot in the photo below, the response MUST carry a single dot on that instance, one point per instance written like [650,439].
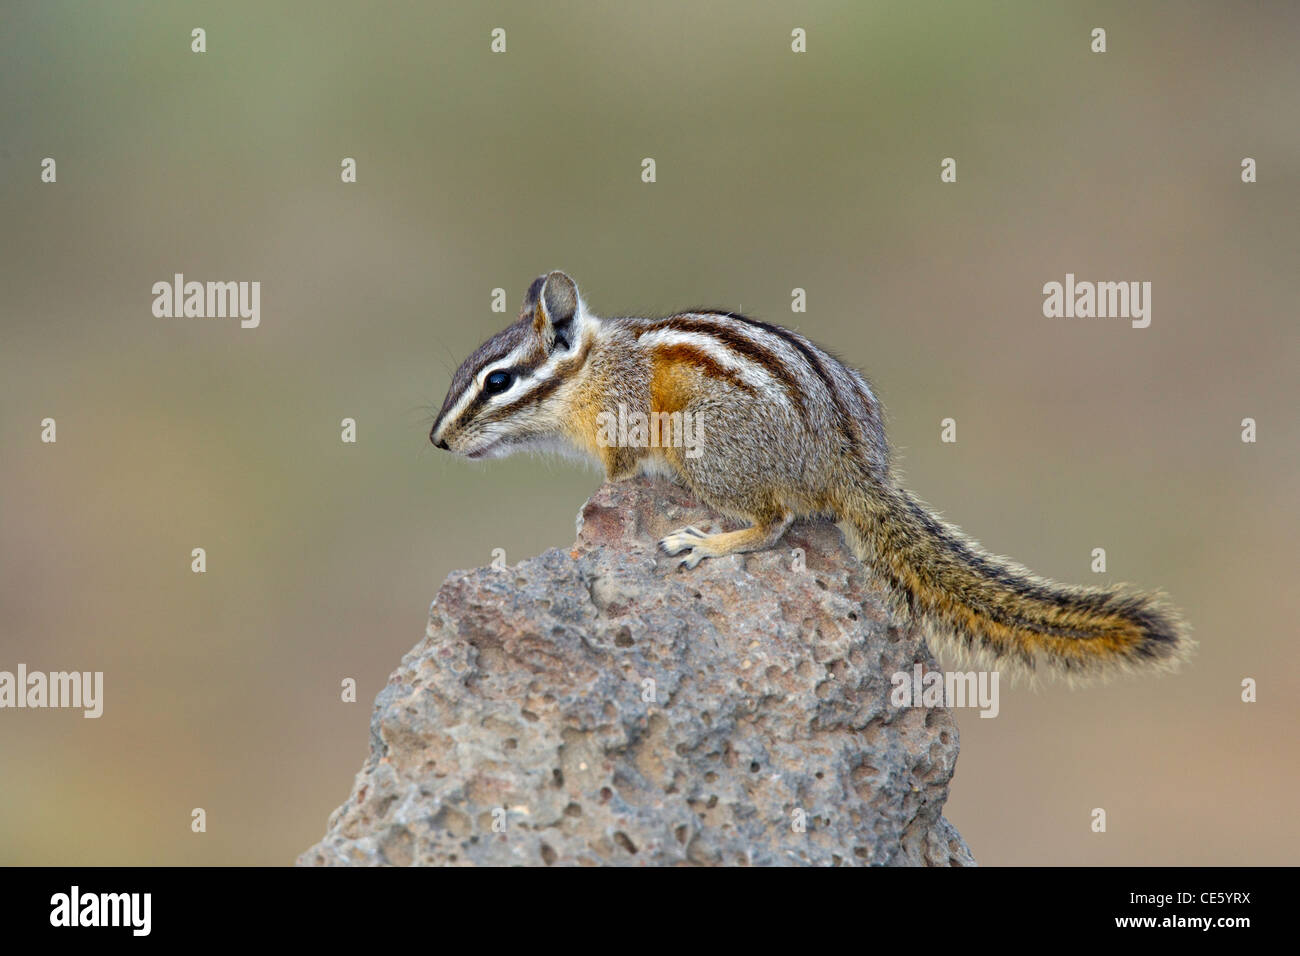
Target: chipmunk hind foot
[697,545]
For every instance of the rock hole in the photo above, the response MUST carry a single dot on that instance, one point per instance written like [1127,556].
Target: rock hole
[623,840]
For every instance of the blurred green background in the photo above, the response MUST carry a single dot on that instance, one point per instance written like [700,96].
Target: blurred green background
[775,171]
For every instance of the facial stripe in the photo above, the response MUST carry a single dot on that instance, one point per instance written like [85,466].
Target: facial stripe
[520,357]
[517,348]
[547,381]
[473,395]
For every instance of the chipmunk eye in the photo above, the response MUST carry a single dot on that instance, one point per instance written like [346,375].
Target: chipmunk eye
[497,382]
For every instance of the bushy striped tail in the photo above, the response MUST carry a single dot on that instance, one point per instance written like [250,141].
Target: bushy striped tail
[998,612]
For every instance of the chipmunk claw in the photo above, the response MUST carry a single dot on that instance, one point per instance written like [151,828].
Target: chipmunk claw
[688,540]
[682,539]
[689,560]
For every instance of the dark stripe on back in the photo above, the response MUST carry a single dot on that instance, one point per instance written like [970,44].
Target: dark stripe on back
[690,355]
[738,343]
[853,431]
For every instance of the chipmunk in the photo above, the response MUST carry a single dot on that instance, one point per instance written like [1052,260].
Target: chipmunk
[790,433]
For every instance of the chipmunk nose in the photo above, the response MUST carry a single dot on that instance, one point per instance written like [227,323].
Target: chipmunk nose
[438,442]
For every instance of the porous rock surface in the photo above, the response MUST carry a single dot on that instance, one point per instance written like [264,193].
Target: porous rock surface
[597,705]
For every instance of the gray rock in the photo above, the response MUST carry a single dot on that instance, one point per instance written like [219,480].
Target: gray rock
[596,705]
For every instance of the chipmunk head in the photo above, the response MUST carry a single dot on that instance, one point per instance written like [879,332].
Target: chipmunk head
[503,398]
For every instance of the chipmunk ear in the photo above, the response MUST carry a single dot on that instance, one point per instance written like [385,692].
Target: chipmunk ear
[557,304]
[529,306]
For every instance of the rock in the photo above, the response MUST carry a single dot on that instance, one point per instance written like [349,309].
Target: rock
[596,705]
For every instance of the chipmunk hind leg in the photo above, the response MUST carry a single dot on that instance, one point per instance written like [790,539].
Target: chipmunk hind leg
[760,488]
